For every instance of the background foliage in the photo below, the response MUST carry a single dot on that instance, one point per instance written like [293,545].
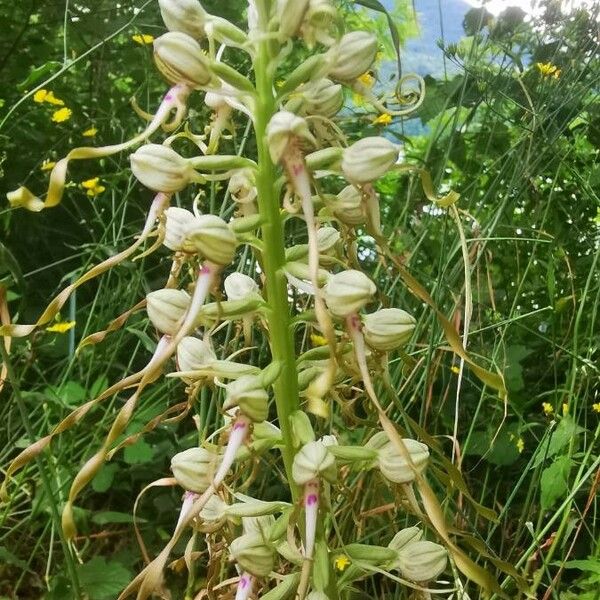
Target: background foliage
[520,143]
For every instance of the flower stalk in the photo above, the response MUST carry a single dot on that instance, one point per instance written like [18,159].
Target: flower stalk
[298,143]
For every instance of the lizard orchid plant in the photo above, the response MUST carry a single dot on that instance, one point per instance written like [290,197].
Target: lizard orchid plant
[304,173]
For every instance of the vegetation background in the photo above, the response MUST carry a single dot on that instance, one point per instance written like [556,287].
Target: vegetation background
[511,120]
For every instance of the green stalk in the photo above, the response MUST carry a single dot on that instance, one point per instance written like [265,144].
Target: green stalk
[280,330]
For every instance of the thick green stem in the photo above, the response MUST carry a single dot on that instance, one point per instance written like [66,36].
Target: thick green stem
[280,331]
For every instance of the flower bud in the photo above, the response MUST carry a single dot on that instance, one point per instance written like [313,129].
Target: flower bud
[242,186]
[239,286]
[250,396]
[404,537]
[368,159]
[290,13]
[421,560]
[393,464]
[214,509]
[348,206]
[319,23]
[180,59]
[166,309]
[353,55]
[347,292]
[388,328]
[177,220]
[194,468]
[327,239]
[186,16]
[161,169]
[313,460]
[283,128]
[194,354]
[261,524]
[211,237]
[323,97]
[253,554]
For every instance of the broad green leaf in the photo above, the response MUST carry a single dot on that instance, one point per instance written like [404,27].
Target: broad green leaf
[102,580]
[139,453]
[37,73]
[566,430]
[584,565]
[99,385]
[103,480]
[554,482]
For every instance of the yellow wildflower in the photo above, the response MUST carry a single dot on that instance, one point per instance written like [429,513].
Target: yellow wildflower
[46,96]
[52,99]
[341,562]
[520,445]
[383,119]
[455,369]
[62,114]
[367,79]
[91,132]
[143,38]
[596,407]
[90,184]
[565,409]
[548,70]
[47,165]
[95,191]
[93,187]
[548,408]
[318,340]
[40,96]
[61,326]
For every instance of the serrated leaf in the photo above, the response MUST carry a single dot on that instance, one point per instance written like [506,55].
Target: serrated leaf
[102,580]
[139,453]
[555,481]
